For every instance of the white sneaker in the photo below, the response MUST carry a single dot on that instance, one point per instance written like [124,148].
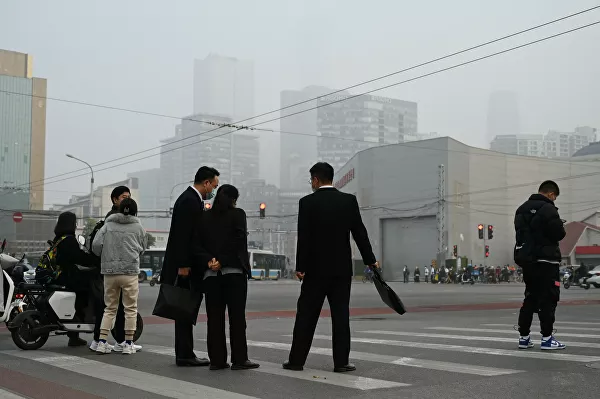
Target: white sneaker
[119,347]
[94,346]
[128,349]
[103,348]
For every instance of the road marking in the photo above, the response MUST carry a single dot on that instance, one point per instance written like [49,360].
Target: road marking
[537,327]
[401,361]
[473,338]
[9,395]
[326,377]
[504,331]
[156,384]
[475,350]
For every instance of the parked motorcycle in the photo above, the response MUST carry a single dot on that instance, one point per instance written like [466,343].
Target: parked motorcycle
[155,279]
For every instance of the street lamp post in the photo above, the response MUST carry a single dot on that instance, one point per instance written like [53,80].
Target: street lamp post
[91,210]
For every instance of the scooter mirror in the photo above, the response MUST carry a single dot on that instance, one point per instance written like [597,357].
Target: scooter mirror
[81,239]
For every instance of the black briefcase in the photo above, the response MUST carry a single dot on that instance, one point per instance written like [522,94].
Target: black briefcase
[388,296]
[178,303]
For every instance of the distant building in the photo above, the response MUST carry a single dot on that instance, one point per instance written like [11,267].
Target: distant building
[503,115]
[151,197]
[245,151]
[358,123]
[553,144]
[224,86]
[22,131]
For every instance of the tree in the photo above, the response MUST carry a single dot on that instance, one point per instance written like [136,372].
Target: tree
[89,227]
[151,240]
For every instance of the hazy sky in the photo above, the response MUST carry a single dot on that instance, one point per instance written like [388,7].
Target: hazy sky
[139,55]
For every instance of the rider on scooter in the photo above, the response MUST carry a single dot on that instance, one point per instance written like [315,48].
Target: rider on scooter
[68,256]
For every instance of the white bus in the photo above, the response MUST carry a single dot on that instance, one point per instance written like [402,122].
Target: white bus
[266,265]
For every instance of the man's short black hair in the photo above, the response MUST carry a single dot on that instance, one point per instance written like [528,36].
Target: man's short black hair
[118,191]
[322,171]
[549,187]
[205,173]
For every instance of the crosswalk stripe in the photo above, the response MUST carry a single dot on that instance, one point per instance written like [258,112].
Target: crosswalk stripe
[537,327]
[504,331]
[326,377]
[401,361]
[475,350]
[9,395]
[156,384]
[472,338]
[585,323]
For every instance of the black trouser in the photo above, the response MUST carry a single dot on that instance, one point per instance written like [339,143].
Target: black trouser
[184,339]
[228,290]
[405,278]
[542,293]
[313,292]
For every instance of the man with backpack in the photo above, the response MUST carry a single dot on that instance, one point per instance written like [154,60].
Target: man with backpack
[539,229]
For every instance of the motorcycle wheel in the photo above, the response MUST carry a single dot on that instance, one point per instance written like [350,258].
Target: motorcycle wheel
[21,335]
[586,286]
[152,283]
[566,284]
[596,285]
[472,282]
[139,324]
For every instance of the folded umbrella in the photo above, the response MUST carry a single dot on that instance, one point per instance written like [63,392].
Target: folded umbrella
[388,296]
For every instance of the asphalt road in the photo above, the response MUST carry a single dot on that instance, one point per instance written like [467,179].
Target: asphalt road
[455,342]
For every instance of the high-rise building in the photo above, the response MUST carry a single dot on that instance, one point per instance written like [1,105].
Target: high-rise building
[503,115]
[553,144]
[245,150]
[357,123]
[22,131]
[224,86]
[298,152]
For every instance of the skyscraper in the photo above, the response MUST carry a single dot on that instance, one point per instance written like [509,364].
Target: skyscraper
[503,115]
[22,132]
[224,86]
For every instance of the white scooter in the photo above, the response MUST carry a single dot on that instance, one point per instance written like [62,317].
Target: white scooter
[10,304]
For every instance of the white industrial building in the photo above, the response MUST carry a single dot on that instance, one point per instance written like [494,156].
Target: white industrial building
[398,188]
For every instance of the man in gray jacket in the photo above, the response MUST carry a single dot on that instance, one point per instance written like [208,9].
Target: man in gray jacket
[119,243]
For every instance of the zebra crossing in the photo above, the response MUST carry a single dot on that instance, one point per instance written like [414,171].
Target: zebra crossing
[482,351]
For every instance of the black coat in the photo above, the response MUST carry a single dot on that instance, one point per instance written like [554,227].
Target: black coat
[184,247]
[547,229]
[68,255]
[227,238]
[326,219]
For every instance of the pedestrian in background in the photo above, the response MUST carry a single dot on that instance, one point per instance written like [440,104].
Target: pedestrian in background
[226,280]
[119,243]
[539,229]
[426,274]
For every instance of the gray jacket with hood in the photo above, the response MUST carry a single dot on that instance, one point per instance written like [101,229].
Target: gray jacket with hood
[119,243]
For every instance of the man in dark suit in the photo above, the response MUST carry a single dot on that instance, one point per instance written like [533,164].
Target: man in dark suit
[183,256]
[324,265]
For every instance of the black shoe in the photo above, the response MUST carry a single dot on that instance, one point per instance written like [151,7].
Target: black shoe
[345,369]
[289,366]
[75,341]
[219,366]
[247,365]
[193,362]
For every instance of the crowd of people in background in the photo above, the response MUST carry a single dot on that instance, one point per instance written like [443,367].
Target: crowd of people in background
[479,273]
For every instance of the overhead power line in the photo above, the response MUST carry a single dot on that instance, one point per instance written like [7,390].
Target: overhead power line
[354,96]
[306,101]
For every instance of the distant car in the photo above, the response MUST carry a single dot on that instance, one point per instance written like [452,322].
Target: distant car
[594,277]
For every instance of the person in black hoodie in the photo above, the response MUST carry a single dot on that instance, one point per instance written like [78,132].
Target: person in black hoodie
[68,256]
[539,229]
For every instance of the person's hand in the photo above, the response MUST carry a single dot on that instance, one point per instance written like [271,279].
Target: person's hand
[300,275]
[375,266]
[214,265]
[184,271]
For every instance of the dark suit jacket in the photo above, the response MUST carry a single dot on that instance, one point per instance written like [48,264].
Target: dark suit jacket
[184,247]
[325,220]
[226,239]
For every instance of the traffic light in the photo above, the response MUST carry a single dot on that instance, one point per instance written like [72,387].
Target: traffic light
[480,230]
[456,251]
[487,251]
[490,232]
[262,210]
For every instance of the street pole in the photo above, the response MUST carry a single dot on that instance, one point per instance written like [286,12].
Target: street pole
[171,195]
[441,211]
[91,210]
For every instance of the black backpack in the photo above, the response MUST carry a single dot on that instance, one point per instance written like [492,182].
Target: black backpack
[524,252]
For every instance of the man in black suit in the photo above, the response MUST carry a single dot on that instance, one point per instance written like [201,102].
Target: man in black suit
[324,265]
[183,257]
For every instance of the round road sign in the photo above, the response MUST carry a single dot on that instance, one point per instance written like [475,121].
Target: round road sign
[17,217]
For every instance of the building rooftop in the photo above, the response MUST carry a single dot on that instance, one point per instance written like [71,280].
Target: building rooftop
[592,149]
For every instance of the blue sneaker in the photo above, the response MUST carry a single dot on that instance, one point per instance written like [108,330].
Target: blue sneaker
[552,344]
[525,343]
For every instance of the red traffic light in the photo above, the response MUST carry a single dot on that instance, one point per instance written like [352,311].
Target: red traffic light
[262,206]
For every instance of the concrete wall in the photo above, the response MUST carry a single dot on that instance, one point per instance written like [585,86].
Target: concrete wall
[15,64]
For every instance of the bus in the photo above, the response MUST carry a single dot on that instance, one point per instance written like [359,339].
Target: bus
[151,262]
[266,265]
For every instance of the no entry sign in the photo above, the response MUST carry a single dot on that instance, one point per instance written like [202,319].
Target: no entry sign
[17,217]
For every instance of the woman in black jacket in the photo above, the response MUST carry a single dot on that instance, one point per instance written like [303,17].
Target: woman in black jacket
[226,280]
[68,255]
